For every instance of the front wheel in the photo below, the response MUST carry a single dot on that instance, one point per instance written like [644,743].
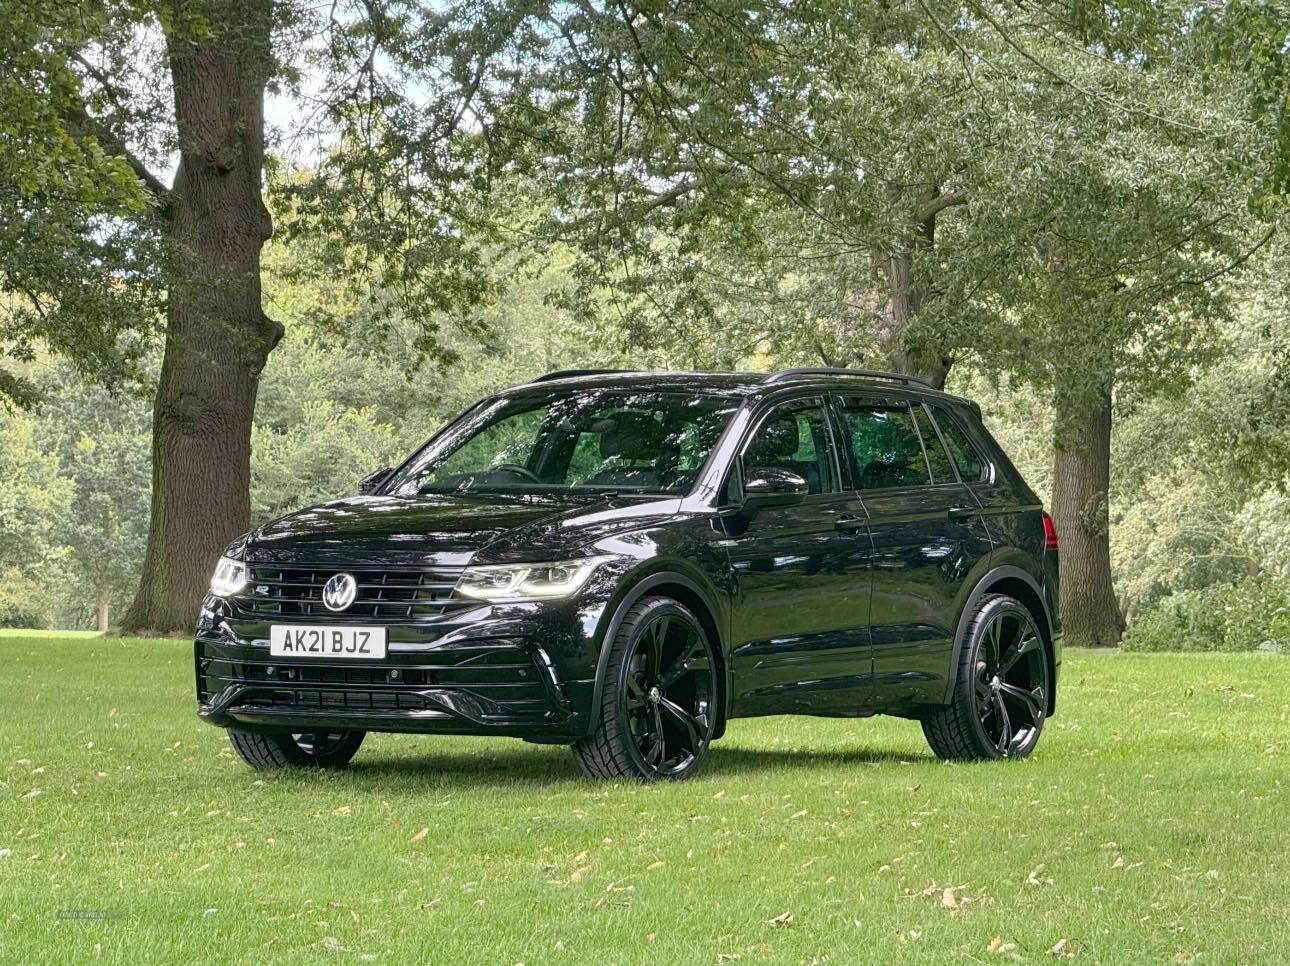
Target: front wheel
[659,707]
[319,749]
[1001,690]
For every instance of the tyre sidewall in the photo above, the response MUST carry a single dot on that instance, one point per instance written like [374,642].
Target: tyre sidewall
[280,749]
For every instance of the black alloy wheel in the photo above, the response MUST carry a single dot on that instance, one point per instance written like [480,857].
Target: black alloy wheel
[281,750]
[1001,695]
[667,694]
[1011,683]
[659,707]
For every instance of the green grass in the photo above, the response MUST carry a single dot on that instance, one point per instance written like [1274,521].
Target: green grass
[1152,826]
[8,633]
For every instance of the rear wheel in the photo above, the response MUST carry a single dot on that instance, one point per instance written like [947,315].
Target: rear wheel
[318,749]
[658,708]
[1001,692]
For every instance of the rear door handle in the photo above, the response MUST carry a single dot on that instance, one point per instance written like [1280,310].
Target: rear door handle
[849,522]
[962,512]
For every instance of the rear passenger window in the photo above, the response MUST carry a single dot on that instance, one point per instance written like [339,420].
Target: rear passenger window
[885,450]
[937,458]
[966,457]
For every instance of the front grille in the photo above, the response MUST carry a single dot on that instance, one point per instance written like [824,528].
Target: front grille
[275,591]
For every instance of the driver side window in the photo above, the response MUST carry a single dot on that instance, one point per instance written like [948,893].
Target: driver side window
[794,437]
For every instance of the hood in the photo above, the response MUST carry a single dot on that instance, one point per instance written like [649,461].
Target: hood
[442,530]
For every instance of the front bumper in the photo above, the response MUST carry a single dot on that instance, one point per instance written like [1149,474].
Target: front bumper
[526,671]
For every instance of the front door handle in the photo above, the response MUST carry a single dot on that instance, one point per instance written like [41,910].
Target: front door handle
[849,522]
[962,512]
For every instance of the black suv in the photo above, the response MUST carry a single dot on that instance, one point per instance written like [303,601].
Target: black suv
[624,561]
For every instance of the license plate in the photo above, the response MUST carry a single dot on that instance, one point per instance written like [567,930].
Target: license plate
[323,641]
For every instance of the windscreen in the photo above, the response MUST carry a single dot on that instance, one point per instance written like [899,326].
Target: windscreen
[587,440]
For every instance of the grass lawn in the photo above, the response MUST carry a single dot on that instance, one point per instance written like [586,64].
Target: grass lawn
[1153,825]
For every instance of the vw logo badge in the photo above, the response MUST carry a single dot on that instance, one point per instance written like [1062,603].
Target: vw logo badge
[339,592]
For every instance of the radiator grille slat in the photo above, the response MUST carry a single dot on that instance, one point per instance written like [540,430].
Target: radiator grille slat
[276,591]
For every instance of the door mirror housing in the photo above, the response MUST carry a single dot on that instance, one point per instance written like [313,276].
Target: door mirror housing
[374,479]
[774,486]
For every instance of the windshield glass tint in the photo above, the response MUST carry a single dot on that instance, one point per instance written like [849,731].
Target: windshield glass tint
[590,440]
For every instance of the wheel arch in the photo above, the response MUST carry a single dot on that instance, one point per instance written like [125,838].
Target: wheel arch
[691,594]
[1021,586]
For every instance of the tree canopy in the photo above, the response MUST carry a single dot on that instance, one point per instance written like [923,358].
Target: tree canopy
[1050,190]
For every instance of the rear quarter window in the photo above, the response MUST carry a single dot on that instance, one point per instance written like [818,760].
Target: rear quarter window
[937,458]
[963,451]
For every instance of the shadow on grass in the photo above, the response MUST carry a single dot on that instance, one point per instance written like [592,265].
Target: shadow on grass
[735,761]
[532,766]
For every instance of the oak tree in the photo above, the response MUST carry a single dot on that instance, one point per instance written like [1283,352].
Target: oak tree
[102,248]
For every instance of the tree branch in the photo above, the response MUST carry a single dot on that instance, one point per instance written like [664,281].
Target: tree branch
[79,117]
[940,202]
[106,82]
[1236,262]
[654,199]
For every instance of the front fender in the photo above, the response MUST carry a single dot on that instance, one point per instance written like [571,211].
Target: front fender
[661,575]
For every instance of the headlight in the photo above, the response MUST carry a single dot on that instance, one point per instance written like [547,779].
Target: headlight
[230,577]
[536,581]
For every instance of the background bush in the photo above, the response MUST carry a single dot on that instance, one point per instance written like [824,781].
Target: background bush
[1250,615]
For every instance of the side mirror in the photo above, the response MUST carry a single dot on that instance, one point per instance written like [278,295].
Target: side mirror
[774,486]
[374,479]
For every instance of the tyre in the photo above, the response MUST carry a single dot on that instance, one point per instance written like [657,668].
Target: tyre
[1000,690]
[659,705]
[284,750]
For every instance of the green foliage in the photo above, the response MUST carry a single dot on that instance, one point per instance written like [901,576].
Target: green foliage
[1195,500]
[1200,490]
[33,497]
[1179,532]
[89,260]
[1199,496]
[1019,416]
[24,600]
[79,255]
[835,182]
[319,459]
[34,500]
[1250,615]
[329,411]
[1263,528]
[1229,419]
[1253,37]
[476,192]
[79,504]
[103,442]
[376,367]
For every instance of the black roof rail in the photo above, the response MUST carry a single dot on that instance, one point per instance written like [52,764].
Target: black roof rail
[568,373]
[859,373]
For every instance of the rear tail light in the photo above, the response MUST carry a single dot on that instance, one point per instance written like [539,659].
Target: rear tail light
[1050,533]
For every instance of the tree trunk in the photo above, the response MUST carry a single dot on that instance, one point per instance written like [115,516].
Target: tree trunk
[218,337]
[102,614]
[913,356]
[1090,611]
